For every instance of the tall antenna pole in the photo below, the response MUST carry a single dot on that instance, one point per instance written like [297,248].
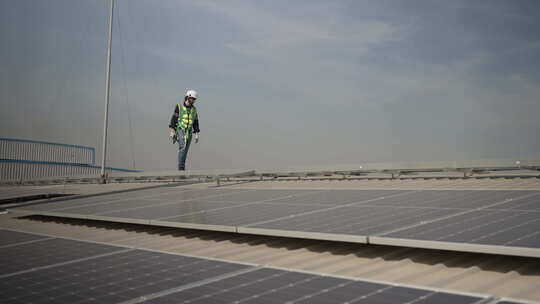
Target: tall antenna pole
[107,92]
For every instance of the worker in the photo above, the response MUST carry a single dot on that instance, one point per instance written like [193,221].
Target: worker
[185,124]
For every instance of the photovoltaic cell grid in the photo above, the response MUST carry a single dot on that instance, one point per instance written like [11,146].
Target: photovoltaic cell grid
[146,197]
[27,256]
[10,238]
[136,276]
[494,227]
[111,279]
[401,212]
[272,286]
[10,193]
[418,218]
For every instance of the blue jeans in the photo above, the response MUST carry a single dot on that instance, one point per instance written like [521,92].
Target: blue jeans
[183,147]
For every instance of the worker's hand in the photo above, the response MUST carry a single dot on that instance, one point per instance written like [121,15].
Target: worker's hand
[196,138]
[172,133]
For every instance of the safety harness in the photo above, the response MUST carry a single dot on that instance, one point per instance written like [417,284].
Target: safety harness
[186,117]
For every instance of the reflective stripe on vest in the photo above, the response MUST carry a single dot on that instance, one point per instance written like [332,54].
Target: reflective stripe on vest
[186,118]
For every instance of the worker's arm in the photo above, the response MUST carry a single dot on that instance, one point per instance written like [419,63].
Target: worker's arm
[196,126]
[174,119]
[196,129]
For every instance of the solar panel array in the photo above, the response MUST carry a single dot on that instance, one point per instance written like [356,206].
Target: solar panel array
[273,286]
[489,221]
[112,274]
[9,238]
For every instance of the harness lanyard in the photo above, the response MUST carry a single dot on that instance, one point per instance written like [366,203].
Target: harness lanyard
[188,127]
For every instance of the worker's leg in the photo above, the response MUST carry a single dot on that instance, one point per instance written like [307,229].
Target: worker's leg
[183,148]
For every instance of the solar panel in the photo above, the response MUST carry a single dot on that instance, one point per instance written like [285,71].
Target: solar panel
[28,256]
[146,196]
[528,203]
[274,286]
[477,226]
[10,238]
[487,227]
[152,210]
[143,276]
[467,220]
[457,199]
[242,215]
[258,195]
[111,279]
[335,197]
[356,220]
[13,193]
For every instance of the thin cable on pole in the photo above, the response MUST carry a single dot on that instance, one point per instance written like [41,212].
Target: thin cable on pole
[126,91]
[107,90]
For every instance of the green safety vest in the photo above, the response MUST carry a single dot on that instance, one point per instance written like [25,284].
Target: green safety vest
[186,117]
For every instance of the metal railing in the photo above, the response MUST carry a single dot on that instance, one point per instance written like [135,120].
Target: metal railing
[34,150]
[23,160]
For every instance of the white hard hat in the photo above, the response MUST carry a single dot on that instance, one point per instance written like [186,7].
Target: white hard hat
[192,93]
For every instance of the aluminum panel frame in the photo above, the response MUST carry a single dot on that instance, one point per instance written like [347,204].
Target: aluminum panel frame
[452,246]
[305,235]
[209,227]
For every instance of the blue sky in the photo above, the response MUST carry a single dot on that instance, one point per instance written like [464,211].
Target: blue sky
[282,83]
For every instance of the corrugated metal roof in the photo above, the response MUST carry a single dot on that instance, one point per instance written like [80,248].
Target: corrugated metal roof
[501,276]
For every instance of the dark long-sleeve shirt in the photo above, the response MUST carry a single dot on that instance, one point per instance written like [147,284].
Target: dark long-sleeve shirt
[174,120]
